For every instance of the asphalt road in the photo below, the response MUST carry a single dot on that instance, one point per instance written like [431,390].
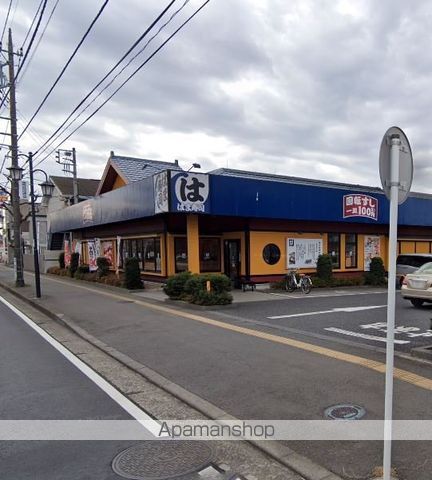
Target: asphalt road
[38,383]
[337,316]
[252,377]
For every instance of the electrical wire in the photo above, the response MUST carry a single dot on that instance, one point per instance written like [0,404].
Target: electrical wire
[56,134]
[127,79]
[66,65]
[39,40]
[32,23]
[31,40]
[118,74]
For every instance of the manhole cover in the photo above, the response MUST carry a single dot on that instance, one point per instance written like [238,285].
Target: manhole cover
[162,460]
[345,412]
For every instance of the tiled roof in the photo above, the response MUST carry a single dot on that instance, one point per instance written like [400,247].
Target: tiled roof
[134,169]
[86,186]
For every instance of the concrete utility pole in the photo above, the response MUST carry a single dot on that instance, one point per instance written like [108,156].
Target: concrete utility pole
[15,198]
[67,158]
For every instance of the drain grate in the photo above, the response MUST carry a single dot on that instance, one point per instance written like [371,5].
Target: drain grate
[162,460]
[345,412]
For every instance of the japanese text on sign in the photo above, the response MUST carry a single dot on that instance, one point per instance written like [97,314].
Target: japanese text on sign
[360,205]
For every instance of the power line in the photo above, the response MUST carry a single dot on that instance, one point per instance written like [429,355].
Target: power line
[32,23]
[6,21]
[32,39]
[111,81]
[40,39]
[129,78]
[53,137]
[66,65]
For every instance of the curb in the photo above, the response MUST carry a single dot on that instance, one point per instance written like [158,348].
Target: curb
[281,453]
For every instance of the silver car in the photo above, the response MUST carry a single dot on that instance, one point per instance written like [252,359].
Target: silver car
[409,263]
[417,287]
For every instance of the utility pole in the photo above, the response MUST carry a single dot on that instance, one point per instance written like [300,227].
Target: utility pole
[15,198]
[67,158]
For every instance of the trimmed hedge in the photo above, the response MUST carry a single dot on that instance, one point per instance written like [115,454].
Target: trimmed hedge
[325,267]
[132,278]
[174,287]
[61,260]
[103,265]
[193,288]
[74,263]
[376,275]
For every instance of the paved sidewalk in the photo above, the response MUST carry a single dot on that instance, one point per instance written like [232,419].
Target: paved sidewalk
[243,372]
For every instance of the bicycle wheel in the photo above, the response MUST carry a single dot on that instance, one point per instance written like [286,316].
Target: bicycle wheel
[290,284]
[306,285]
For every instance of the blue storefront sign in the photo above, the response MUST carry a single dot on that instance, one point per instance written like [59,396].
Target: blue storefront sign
[190,192]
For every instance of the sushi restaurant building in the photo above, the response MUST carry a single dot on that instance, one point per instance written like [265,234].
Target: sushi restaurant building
[244,224]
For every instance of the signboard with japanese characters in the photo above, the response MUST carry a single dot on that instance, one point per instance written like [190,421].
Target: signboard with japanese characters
[360,205]
[160,184]
[303,252]
[190,192]
[87,213]
[92,255]
[371,249]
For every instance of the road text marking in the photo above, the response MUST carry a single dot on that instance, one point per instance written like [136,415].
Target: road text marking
[333,310]
[363,335]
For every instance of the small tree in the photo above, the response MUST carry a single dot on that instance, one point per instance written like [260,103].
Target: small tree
[325,267]
[61,260]
[73,267]
[376,274]
[132,279]
[103,265]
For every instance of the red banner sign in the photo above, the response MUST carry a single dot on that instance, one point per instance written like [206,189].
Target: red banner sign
[360,205]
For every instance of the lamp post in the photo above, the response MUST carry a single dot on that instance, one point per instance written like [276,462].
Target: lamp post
[47,191]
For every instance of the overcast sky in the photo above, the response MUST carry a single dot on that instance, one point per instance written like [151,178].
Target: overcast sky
[304,88]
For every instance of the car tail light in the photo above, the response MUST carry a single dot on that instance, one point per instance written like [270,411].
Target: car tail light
[404,281]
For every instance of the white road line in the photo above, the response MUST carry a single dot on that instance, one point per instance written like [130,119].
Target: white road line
[289,296]
[333,310]
[150,424]
[363,335]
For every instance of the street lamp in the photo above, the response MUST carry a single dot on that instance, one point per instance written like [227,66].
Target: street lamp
[15,173]
[47,191]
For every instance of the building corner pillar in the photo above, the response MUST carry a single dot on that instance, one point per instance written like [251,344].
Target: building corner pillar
[193,244]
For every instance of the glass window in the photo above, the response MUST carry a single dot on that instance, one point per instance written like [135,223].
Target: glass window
[334,248]
[210,258]
[149,254]
[271,254]
[351,250]
[180,253]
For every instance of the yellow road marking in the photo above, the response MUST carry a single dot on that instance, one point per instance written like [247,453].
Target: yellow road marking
[403,375]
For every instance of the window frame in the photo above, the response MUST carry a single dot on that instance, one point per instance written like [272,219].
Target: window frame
[337,265]
[355,243]
[279,253]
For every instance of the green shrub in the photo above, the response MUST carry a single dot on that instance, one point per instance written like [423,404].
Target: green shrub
[84,268]
[325,267]
[103,265]
[376,274]
[61,260]
[74,263]
[132,278]
[193,288]
[211,298]
[174,287]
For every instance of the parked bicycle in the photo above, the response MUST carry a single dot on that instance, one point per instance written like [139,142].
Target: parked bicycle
[291,282]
